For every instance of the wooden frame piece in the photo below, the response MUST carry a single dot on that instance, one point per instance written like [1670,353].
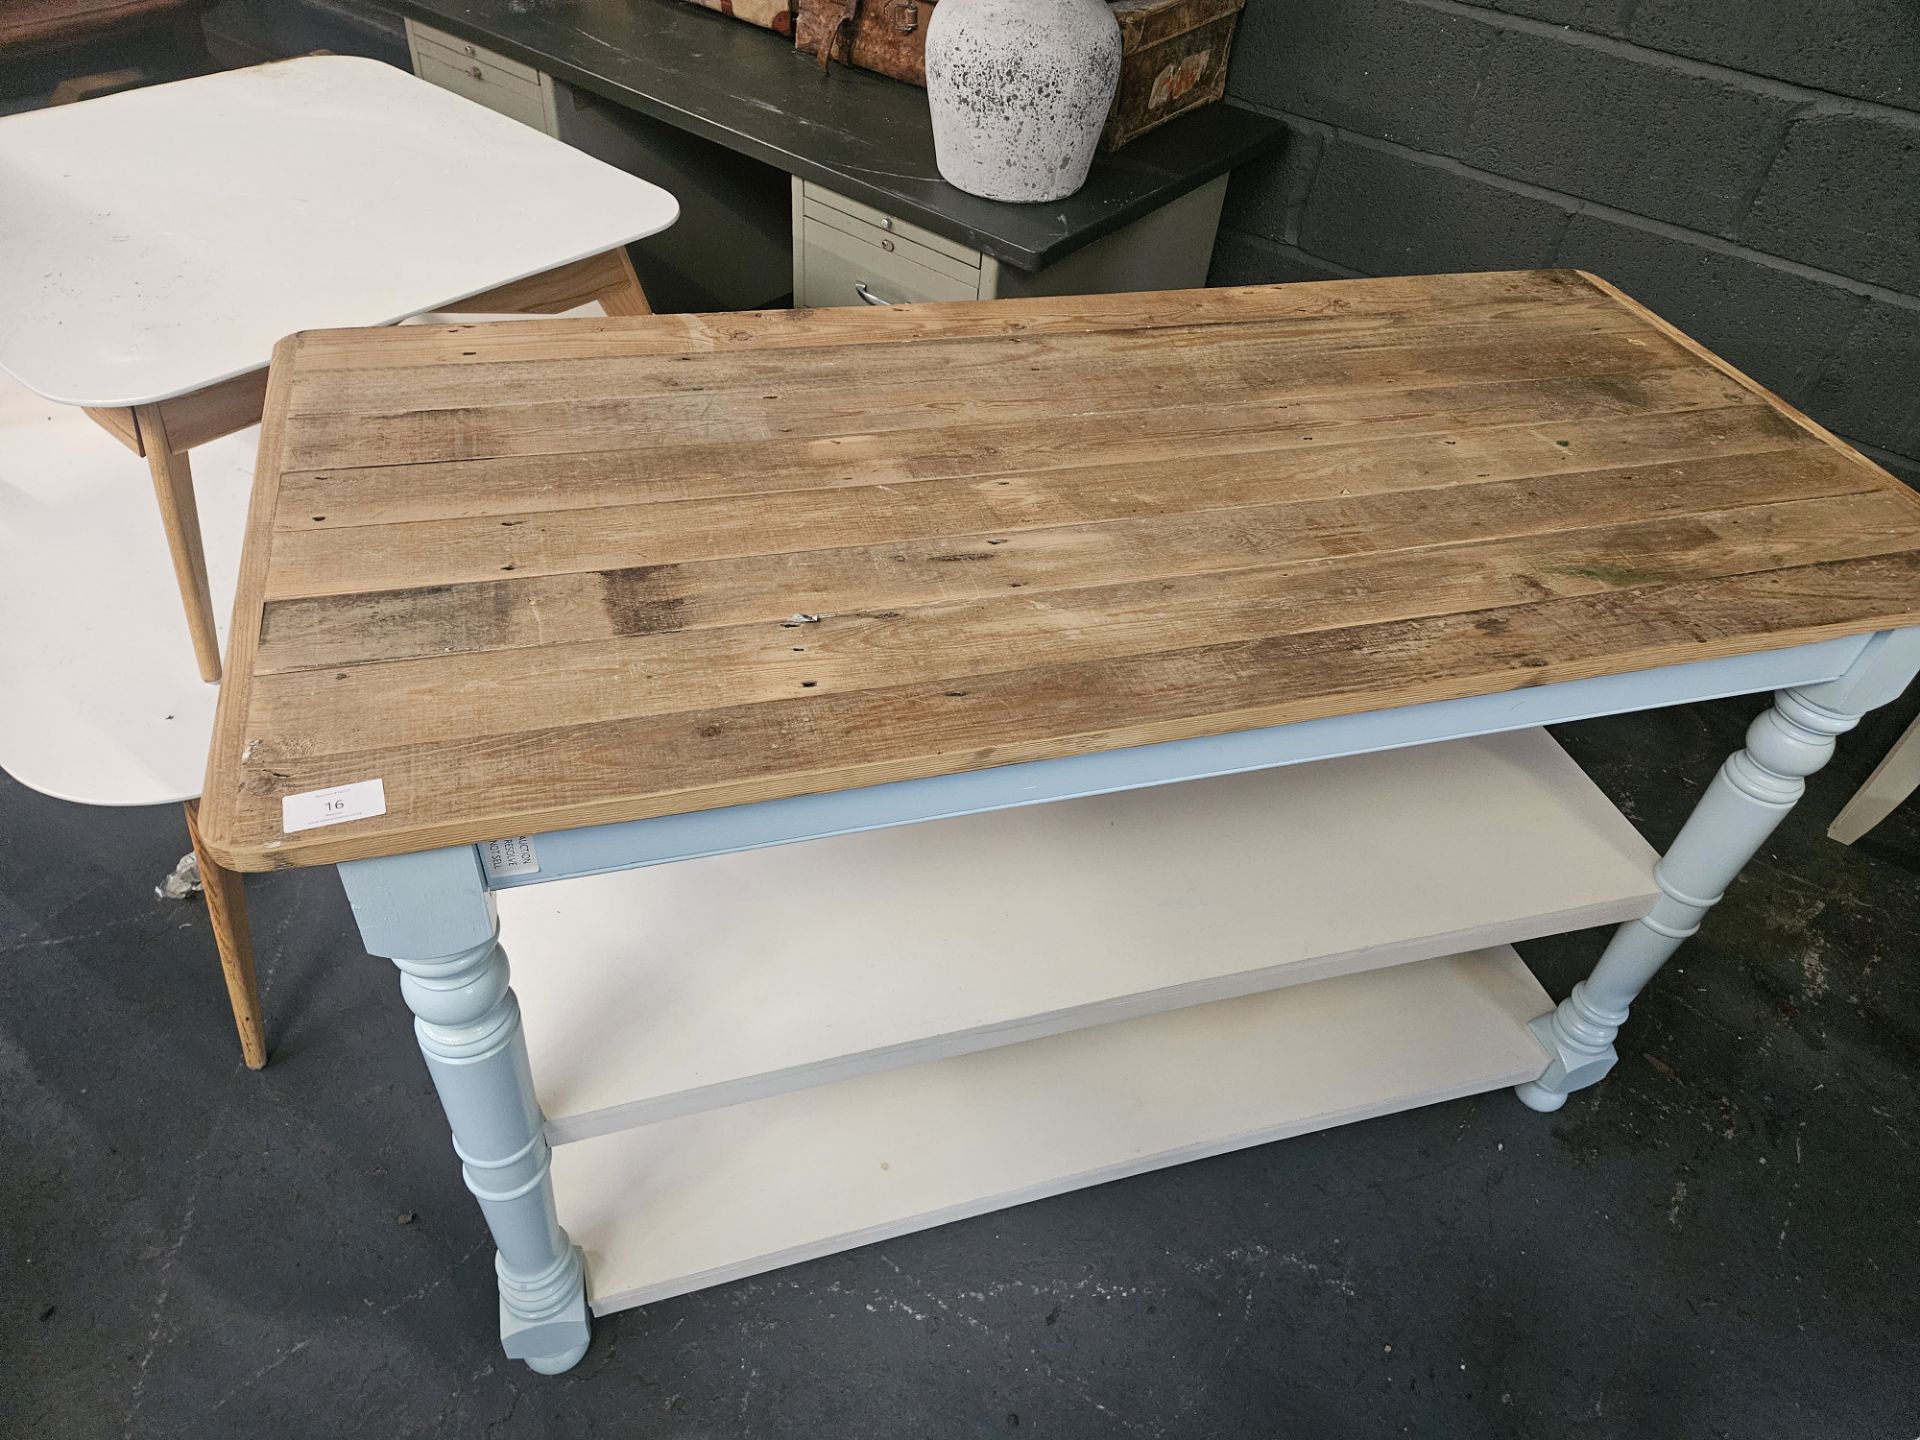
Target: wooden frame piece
[120,424]
[194,418]
[607,277]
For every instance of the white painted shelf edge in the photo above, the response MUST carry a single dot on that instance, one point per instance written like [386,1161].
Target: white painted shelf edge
[660,992]
[714,1197]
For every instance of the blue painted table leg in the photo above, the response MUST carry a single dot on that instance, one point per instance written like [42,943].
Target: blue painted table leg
[431,915]
[1750,795]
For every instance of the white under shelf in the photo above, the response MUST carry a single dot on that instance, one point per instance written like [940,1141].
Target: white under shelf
[713,1197]
[660,992]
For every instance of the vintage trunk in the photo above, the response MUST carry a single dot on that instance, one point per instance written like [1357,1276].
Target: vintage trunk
[1173,52]
[774,15]
[1173,58]
[889,36]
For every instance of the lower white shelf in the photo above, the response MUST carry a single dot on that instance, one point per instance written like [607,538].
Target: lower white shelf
[716,1196]
[658,992]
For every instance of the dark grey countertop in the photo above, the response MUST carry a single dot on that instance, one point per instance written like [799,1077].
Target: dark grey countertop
[861,134]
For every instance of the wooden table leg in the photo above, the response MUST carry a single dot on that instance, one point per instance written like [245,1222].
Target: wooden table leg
[173,487]
[227,909]
[607,277]
[431,914]
[1750,795]
[629,298]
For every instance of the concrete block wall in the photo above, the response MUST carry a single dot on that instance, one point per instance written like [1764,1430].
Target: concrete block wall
[1748,168]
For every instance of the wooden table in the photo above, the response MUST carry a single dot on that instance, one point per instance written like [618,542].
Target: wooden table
[586,597]
[156,243]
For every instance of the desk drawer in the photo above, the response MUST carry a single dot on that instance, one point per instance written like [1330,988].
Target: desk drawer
[856,218]
[473,85]
[479,72]
[816,217]
[836,268]
[486,79]
[458,49]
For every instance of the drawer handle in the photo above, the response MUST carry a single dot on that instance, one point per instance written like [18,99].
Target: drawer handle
[860,289]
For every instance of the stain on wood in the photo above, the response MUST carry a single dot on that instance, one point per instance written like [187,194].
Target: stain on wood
[634,604]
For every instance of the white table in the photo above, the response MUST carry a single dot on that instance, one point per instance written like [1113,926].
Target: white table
[155,244]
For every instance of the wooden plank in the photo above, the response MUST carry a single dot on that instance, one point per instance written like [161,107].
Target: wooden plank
[1694,347]
[515,484]
[193,419]
[334,561]
[713,1197]
[1393,298]
[1189,514]
[552,291]
[406,436]
[660,992]
[120,424]
[1330,548]
[681,669]
[243,637]
[1026,361]
[556,776]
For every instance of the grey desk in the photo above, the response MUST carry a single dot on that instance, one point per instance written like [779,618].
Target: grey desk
[723,113]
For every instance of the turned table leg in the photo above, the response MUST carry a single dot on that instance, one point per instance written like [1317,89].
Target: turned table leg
[430,913]
[1750,795]
[173,488]
[227,909]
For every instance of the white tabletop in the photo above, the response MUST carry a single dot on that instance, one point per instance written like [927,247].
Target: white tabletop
[159,240]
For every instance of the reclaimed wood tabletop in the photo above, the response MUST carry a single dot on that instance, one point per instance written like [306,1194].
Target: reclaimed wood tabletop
[563,573]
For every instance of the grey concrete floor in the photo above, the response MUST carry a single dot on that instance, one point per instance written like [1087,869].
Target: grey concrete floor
[1720,1240]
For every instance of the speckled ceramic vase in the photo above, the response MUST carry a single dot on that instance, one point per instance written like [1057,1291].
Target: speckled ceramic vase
[1020,91]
